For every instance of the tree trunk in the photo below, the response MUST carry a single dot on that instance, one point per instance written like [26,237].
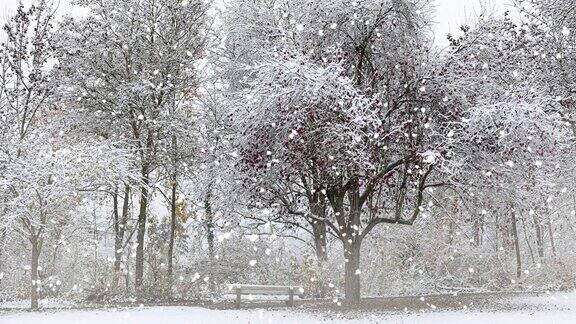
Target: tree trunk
[117,242]
[209,219]
[119,230]
[172,227]
[478,230]
[497,233]
[209,223]
[319,231]
[2,247]
[350,237]
[352,244]
[527,239]
[450,221]
[551,234]
[34,288]
[139,272]
[539,238]
[174,145]
[318,223]
[516,245]
[317,202]
[127,273]
[352,273]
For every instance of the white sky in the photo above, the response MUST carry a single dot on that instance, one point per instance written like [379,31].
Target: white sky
[450,14]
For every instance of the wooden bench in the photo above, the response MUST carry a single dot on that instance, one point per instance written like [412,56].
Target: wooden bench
[241,289]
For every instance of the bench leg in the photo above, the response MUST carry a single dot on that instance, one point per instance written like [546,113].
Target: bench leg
[238,296]
[291,297]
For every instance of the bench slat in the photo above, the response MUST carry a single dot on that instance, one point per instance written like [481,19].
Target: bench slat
[265,290]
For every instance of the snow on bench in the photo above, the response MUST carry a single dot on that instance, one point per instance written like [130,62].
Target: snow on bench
[241,289]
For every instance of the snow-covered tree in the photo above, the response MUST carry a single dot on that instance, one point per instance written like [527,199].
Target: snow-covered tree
[26,90]
[44,169]
[333,98]
[510,136]
[130,67]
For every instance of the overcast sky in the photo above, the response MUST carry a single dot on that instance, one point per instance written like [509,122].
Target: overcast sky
[450,14]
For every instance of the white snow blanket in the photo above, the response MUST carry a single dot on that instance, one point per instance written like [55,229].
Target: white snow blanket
[554,309]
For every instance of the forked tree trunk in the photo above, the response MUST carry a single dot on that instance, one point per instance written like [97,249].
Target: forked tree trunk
[350,237]
[142,218]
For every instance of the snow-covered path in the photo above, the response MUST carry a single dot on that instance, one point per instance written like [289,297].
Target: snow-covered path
[557,309]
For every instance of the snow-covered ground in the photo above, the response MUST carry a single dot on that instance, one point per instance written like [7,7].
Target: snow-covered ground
[553,309]
[45,303]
